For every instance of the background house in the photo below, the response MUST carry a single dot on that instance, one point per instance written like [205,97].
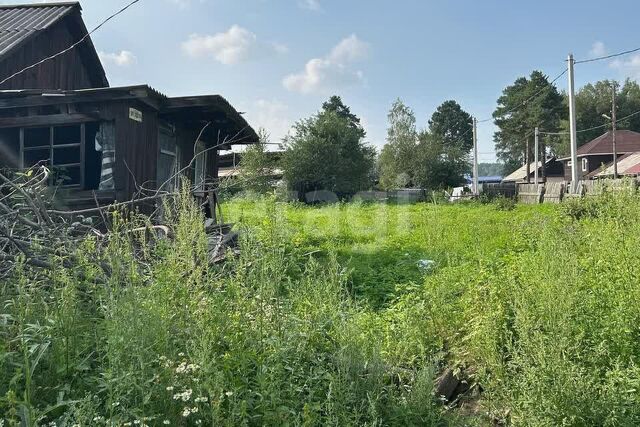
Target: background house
[553,171]
[599,152]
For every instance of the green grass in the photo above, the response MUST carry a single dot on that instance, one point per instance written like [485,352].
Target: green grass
[326,318]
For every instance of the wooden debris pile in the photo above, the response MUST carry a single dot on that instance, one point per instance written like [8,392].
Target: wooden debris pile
[34,232]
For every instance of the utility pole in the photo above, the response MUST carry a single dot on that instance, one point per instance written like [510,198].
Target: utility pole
[613,127]
[527,158]
[476,191]
[537,148]
[572,127]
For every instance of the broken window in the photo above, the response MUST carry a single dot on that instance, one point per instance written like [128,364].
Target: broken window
[201,166]
[61,148]
[168,159]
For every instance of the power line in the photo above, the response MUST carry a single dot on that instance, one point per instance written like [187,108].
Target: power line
[601,58]
[592,128]
[62,52]
[526,101]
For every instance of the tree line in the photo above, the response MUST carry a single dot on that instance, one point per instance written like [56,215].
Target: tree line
[329,150]
[535,101]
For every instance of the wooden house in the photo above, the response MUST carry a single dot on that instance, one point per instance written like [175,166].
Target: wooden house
[598,152]
[552,172]
[102,143]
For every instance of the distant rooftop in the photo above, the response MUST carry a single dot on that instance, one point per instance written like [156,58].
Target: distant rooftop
[626,142]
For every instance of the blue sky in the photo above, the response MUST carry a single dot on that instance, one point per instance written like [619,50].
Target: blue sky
[279,59]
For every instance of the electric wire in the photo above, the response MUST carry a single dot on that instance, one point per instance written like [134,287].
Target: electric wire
[613,55]
[73,46]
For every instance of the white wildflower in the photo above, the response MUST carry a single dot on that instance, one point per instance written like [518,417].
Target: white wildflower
[229,393]
[181,354]
[194,409]
[186,412]
[170,388]
[166,422]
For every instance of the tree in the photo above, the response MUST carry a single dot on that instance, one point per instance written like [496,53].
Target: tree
[438,164]
[525,104]
[256,166]
[398,154]
[594,100]
[452,125]
[327,152]
[335,104]
[491,169]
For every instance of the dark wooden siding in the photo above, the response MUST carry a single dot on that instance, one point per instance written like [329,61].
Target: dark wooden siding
[76,69]
[595,162]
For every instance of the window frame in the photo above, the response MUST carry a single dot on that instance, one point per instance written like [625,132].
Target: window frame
[585,164]
[170,131]
[200,176]
[52,146]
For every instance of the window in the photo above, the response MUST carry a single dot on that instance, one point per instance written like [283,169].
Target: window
[61,148]
[168,159]
[585,164]
[201,165]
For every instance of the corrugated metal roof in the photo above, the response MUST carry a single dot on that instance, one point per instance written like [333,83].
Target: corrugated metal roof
[19,22]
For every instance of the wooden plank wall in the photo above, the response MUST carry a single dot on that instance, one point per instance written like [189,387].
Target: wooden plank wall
[68,71]
[530,193]
[553,192]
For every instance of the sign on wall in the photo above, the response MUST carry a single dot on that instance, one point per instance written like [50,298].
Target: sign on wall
[135,115]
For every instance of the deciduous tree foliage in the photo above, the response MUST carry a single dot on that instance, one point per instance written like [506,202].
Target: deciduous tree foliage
[327,152]
[527,103]
[438,164]
[256,166]
[594,100]
[433,158]
[399,152]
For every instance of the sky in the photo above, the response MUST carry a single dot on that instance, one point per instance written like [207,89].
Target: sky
[278,60]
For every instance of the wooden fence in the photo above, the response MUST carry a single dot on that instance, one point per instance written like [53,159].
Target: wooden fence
[530,193]
[556,192]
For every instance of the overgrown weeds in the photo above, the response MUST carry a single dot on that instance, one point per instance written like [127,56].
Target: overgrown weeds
[271,337]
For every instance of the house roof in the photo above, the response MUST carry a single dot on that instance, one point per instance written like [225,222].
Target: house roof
[194,109]
[628,164]
[520,174]
[626,142]
[20,22]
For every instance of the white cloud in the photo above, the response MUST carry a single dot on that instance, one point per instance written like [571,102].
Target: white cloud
[331,71]
[235,45]
[122,59]
[313,5]
[628,67]
[272,115]
[598,49]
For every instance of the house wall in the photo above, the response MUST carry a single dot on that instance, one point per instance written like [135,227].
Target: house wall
[72,70]
[594,162]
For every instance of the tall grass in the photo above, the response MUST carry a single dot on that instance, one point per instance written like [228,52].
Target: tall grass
[538,305]
[328,317]
[271,337]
